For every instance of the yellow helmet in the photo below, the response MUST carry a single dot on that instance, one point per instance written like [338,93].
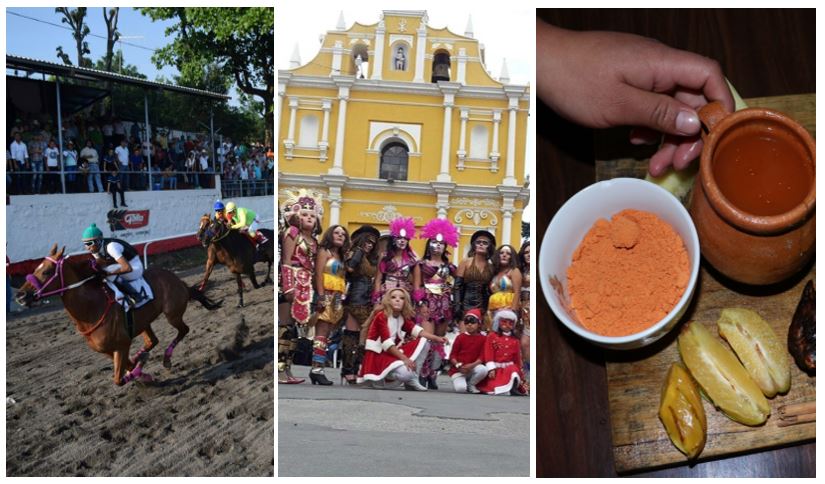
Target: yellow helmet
[230,207]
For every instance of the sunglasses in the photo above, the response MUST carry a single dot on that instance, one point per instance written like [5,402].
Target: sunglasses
[89,243]
[471,320]
[482,242]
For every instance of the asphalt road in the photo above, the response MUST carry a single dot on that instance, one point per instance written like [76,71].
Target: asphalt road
[352,431]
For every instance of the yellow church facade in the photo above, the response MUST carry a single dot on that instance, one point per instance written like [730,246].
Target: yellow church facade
[400,118]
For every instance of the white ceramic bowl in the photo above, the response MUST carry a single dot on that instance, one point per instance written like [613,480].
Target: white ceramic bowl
[571,223]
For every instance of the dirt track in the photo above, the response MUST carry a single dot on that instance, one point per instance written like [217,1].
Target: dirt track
[211,414]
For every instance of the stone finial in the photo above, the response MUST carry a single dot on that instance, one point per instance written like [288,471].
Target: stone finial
[295,60]
[504,77]
[468,31]
[341,24]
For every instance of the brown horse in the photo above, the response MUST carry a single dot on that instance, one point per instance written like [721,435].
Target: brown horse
[235,251]
[99,318]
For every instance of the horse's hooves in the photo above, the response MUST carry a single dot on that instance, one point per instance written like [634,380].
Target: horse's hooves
[146,378]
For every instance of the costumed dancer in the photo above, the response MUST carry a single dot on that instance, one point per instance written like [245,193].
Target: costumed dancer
[301,212]
[396,346]
[433,282]
[397,264]
[473,276]
[467,368]
[330,285]
[362,265]
[524,258]
[506,283]
[502,358]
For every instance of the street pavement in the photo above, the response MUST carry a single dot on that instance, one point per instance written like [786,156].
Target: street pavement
[355,431]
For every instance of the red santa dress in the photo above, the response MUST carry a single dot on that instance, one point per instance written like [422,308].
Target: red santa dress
[384,333]
[503,354]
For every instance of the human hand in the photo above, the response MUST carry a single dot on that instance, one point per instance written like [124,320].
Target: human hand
[604,79]
[491,374]
[409,363]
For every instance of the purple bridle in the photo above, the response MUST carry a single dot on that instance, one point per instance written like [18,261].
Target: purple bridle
[38,293]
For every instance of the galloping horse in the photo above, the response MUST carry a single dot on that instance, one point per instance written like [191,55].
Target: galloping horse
[97,316]
[235,251]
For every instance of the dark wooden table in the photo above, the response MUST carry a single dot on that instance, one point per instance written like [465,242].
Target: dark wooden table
[763,53]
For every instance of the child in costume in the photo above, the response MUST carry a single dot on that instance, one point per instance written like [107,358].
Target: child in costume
[433,288]
[467,369]
[396,347]
[502,357]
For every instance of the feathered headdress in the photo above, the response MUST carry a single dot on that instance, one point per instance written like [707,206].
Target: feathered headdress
[403,227]
[441,230]
[303,199]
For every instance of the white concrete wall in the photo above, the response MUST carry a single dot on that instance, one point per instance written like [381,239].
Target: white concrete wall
[35,222]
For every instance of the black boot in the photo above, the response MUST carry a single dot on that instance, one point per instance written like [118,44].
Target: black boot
[132,296]
[349,347]
[431,382]
[317,377]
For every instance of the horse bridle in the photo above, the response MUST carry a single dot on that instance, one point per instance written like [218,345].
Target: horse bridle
[208,232]
[39,287]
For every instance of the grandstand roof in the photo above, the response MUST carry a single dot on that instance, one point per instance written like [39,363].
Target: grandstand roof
[41,66]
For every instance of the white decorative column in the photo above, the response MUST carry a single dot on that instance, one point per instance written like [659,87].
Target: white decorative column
[334,205]
[462,144]
[337,54]
[506,225]
[326,105]
[421,46]
[442,191]
[343,84]
[495,155]
[449,89]
[462,66]
[508,208]
[289,142]
[510,170]
[378,58]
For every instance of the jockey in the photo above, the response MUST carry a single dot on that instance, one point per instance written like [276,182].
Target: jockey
[117,260]
[218,208]
[244,220]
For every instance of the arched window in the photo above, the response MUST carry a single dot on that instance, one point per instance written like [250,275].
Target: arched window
[399,57]
[394,160]
[361,61]
[308,136]
[441,66]
[479,142]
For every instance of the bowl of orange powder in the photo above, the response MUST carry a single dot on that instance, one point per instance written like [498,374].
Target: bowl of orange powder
[619,263]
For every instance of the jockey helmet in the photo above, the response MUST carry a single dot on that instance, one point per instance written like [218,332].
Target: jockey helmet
[218,206]
[230,207]
[92,233]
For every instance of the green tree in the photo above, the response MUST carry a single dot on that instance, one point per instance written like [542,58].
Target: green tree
[235,42]
[76,19]
[112,35]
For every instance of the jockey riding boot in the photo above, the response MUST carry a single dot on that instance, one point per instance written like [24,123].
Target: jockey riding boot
[131,296]
[286,347]
[260,239]
[349,345]
[319,360]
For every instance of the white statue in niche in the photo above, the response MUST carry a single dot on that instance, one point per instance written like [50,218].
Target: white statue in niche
[359,74]
[400,60]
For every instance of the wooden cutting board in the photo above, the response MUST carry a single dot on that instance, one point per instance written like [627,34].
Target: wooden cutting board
[635,378]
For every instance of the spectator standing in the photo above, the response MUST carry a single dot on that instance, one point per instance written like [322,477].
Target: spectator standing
[20,154]
[119,131]
[52,168]
[122,153]
[89,153]
[108,133]
[204,167]
[36,149]
[70,165]
[114,186]
[136,164]
[97,139]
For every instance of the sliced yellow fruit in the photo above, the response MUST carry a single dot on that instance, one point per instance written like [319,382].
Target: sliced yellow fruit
[758,348]
[682,413]
[723,379]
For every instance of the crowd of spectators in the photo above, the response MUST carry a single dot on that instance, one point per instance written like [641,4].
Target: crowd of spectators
[94,150]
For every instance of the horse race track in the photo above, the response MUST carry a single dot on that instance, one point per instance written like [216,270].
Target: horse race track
[211,414]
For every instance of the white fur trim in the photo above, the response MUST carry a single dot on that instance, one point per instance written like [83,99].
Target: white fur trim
[373,345]
[503,389]
[416,331]
[421,346]
[386,345]
[491,365]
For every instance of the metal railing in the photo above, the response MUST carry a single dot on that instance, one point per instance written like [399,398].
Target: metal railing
[23,182]
[247,188]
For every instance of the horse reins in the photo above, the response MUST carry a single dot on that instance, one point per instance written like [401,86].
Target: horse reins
[39,294]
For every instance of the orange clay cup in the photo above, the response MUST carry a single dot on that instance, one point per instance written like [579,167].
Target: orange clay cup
[754,202]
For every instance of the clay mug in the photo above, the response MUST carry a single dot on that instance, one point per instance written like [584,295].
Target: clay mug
[753,203]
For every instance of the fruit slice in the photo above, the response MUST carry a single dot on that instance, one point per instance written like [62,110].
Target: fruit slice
[723,379]
[758,348]
[682,413]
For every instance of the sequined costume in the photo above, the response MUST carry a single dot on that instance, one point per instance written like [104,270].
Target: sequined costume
[296,276]
[396,274]
[360,279]
[472,292]
[501,292]
[438,287]
[334,285]
[525,303]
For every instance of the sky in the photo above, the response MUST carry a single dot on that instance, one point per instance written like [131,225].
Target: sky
[30,38]
[505,32]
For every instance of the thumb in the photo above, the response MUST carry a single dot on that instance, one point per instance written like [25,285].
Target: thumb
[660,112]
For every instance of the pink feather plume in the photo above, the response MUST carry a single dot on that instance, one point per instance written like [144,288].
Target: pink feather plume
[449,234]
[407,224]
